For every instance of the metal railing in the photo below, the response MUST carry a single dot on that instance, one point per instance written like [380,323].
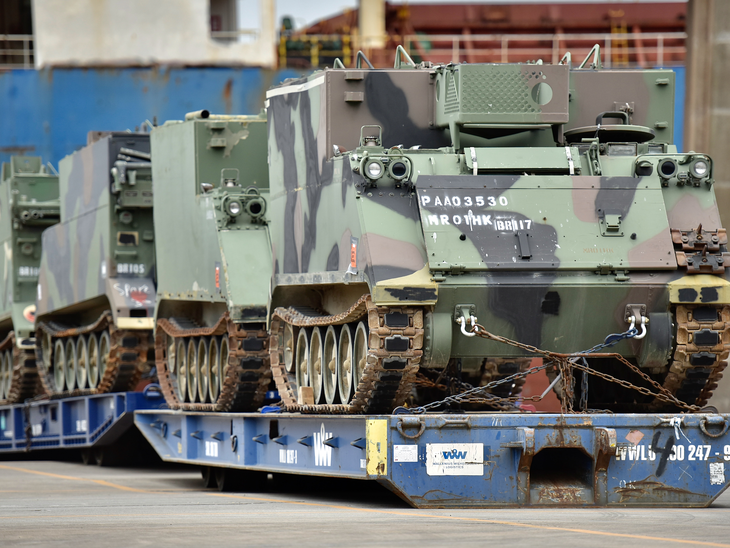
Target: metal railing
[645,49]
[235,35]
[314,50]
[16,51]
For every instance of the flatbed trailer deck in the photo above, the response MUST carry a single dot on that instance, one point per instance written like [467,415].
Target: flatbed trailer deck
[80,422]
[469,460]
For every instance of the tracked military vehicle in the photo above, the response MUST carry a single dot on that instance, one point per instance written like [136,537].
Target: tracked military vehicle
[543,203]
[28,205]
[96,288]
[214,261]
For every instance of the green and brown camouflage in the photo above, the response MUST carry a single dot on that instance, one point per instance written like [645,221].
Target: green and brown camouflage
[28,205]
[211,188]
[547,202]
[96,285]
[101,256]
[213,260]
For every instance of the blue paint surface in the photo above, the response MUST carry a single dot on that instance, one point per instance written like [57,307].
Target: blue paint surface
[679,95]
[469,460]
[48,113]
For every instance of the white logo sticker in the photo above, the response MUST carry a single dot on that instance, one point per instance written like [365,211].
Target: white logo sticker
[211,448]
[288,456]
[322,452]
[455,459]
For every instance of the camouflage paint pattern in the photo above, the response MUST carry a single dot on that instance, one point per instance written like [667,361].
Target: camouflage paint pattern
[547,240]
[28,205]
[209,260]
[101,255]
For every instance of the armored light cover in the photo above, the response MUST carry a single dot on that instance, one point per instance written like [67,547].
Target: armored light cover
[699,168]
[374,169]
[233,208]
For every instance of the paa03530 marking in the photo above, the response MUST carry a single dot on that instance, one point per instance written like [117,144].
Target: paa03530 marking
[463,201]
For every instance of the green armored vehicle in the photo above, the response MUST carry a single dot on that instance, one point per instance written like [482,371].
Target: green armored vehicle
[28,205]
[543,202]
[96,288]
[213,261]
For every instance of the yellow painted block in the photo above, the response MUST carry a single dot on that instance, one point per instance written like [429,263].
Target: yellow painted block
[376,434]
[416,288]
[136,323]
[700,288]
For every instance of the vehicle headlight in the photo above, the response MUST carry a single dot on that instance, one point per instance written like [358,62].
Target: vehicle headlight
[374,169]
[699,168]
[234,208]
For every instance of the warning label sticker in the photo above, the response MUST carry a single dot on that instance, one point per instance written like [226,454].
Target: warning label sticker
[405,453]
[717,473]
[455,459]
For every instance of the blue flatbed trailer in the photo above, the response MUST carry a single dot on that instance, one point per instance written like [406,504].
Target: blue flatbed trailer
[80,422]
[469,460]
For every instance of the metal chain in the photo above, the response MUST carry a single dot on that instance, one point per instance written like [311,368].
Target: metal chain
[566,364]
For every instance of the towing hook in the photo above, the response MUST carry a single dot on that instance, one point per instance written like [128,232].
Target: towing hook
[644,321]
[473,321]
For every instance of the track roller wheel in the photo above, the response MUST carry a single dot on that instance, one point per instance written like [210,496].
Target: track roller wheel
[360,351]
[289,347]
[214,369]
[6,372]
[329,365]
[93,360]
[81,359]
[201,369]
[316,363]
[70,364]
[345,384]
[192,371]
[59,364]
[104,347]
[181,360]
[301,358]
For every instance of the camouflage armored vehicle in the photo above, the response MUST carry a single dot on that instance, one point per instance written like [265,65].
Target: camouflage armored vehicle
[96,289]
[545,203]
[213,261]
[28,205]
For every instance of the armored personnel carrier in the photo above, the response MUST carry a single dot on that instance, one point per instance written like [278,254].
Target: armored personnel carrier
[213,261]
[28,205]
[96,289]
[546,203]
